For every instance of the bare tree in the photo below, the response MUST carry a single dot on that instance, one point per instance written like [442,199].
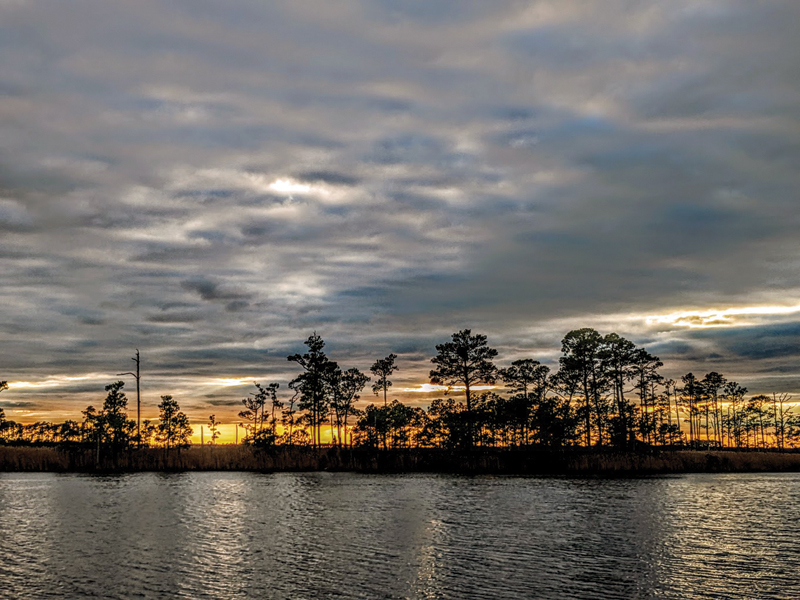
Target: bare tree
[138,397]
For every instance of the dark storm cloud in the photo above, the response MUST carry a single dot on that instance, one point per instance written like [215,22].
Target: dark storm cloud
[21,404]
[223,402]
[329,177]
[210,182]
[757,342]
[211,290]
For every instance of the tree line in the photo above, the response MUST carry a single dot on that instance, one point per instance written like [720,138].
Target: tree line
[108,429]
[607,392]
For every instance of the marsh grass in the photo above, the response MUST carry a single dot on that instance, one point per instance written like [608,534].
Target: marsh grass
[218,458]
[486,461]
[682,461]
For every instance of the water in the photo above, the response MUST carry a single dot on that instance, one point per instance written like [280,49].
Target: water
[343,535]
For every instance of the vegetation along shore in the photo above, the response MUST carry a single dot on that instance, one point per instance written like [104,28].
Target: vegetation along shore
[491,461]
[607,409]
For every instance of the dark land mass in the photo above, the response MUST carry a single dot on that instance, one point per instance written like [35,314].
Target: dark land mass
[486,461]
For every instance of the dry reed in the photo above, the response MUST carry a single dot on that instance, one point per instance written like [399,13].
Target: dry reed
[489,460]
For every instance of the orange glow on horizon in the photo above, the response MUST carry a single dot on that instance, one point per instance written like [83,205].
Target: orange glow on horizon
[228,434]
[429,388]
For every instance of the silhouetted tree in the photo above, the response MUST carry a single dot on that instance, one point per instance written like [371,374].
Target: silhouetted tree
[89,426]
[555,422]
[213,427]
[670,393]
[344,393]
[617,356]
[3,422]
[581,360]
[275,407]
[467,360]
[311,385]
[712,384]
[448,424]
[527,378]
[782,416]
[289,420]
[757,410]
[68,432]
[382,370]
[645,368]
[253,413]
[372,426]
[261,437]
[692,392]
[734,395]
[137,376]
[174,430]
[5,425]
[113,422]
[400,418]
[792,431]
[148,432]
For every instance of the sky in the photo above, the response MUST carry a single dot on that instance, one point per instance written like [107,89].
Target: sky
[210,182]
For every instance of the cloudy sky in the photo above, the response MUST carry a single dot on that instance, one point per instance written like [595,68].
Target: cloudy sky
[212,181]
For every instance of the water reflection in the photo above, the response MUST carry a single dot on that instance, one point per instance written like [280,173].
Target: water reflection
[322,535]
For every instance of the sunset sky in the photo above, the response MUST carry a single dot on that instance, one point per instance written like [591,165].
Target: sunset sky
[210,182]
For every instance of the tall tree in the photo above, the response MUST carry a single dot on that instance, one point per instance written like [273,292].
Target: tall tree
[265,396]
[136,376]
[527,378]
[275,406]
[670,393]
[757,407]
[253,414]
[692,392]
[382,370]
[372,426]
[149,431]
[89,426]
[174,430]
[734,394]
[213,427]
[617,355]
[467,360]
[3,426]
[113,420]
[781,416]
[712,384]
[645,367]
[311,385]
[289,419]
[345,387]
[581,360]
[399,418]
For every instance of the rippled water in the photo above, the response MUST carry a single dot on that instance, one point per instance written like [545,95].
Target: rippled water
[343,535]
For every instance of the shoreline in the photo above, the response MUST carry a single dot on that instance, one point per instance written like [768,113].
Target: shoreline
[482,461]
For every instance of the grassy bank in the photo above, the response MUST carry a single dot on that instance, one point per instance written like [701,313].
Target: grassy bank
[487,461]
